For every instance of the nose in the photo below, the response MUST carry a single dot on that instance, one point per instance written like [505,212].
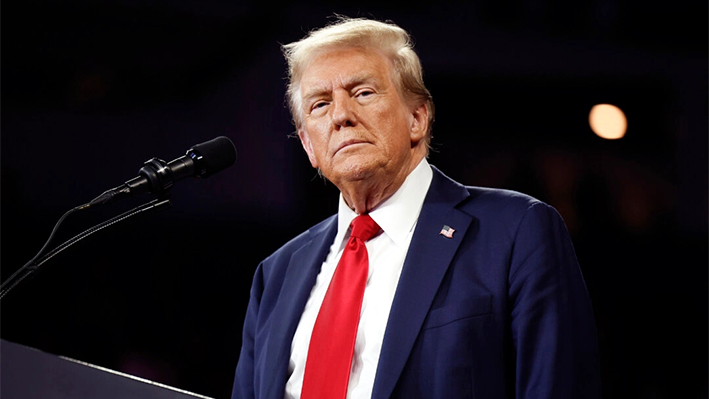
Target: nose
[343,109]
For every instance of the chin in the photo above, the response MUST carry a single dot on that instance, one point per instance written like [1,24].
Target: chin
[357,171]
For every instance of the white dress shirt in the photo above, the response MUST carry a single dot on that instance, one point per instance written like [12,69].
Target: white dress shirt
[397,217]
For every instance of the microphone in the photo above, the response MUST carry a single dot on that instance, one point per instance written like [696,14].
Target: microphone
[157,176]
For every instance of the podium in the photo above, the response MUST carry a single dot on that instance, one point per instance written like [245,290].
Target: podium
[30,373]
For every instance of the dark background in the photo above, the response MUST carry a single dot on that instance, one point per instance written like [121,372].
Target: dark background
[91,90]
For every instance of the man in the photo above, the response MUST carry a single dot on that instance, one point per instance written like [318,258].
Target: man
[468,292]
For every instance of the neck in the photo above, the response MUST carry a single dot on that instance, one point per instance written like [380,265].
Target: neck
[362,196]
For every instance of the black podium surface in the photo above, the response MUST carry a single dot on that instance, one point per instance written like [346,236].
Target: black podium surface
[30,373]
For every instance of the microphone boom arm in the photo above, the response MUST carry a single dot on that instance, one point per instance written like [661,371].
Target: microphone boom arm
[32,267]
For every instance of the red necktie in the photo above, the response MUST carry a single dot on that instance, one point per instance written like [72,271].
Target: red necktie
[327,368]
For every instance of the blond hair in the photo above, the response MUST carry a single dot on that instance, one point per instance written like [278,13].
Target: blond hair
[388,38]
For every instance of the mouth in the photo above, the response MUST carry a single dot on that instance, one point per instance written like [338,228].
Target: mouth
[349,143]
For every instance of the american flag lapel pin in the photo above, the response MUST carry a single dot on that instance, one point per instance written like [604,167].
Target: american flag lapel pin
[447,231]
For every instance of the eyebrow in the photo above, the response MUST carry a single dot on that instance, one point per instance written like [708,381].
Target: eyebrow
[319,90]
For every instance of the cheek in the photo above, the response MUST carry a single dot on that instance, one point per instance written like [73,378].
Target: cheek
[397,126]
[319,137]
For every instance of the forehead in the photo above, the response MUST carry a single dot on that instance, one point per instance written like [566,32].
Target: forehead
[342,66]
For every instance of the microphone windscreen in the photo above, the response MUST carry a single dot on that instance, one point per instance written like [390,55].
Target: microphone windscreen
[214,155]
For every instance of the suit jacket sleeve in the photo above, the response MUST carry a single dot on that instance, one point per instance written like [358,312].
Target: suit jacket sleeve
[552,324]
[244,380]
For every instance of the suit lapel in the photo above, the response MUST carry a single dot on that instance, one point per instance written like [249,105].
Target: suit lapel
[299,280]
[430,254]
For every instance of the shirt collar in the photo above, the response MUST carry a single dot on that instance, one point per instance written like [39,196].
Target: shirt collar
[397,215]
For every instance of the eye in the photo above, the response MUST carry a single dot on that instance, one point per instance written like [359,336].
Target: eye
[364,93]
[318,104]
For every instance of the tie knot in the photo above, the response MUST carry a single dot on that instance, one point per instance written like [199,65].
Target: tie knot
[364,227]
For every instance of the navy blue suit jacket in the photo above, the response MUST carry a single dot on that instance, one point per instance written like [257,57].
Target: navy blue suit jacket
[500,310]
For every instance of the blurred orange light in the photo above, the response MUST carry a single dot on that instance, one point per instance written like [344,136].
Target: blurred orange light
[608,121]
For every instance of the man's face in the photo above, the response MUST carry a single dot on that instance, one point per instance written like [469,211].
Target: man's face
[356,125]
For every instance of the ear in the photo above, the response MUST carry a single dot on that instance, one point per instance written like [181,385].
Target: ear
[308,147]
[419,123]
